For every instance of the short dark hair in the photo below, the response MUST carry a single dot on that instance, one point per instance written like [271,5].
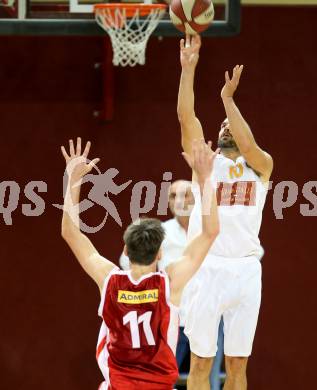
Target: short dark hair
[143,240]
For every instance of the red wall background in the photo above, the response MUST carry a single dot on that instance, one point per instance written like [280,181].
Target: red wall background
[48,92]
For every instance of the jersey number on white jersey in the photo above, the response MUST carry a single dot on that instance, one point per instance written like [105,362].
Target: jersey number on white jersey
[236,171]
[134,321]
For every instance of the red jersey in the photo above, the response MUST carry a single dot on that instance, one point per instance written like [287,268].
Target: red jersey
[138,336]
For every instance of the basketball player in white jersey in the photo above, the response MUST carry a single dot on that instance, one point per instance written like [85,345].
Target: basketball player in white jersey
[129,357]
[229,282]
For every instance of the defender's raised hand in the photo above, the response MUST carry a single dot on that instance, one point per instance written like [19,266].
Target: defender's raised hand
[76,161]
[202,159]
[189,51]
[231,84]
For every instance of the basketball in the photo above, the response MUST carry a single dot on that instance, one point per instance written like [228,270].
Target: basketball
[192,16]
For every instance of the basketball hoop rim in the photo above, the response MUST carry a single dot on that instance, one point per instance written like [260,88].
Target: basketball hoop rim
[130,9]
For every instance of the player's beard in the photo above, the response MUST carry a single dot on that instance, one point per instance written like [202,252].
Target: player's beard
[228,144]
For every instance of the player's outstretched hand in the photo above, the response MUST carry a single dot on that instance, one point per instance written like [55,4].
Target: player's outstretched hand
[76,161]
[231,84]
[202,159]
[189,51]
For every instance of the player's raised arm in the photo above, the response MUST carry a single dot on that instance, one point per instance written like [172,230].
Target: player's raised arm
[96,266]
[257,158]
[190,126]
[201,161]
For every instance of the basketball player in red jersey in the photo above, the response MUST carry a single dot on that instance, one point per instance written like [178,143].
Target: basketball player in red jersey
[139,332]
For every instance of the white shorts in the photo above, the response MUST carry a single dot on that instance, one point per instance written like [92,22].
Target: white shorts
[223,287]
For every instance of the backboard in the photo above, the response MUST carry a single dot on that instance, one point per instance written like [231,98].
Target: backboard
[75,17]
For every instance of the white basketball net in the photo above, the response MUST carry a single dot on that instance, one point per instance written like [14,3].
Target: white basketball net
[129,36]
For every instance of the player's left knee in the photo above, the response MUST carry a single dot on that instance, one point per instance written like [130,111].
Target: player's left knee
[236,365]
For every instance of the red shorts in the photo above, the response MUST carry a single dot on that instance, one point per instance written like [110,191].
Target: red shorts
[134,384]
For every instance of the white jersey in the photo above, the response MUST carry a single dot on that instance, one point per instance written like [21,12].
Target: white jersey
[240,197]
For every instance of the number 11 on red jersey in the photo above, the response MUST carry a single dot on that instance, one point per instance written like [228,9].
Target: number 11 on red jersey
[134,321]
